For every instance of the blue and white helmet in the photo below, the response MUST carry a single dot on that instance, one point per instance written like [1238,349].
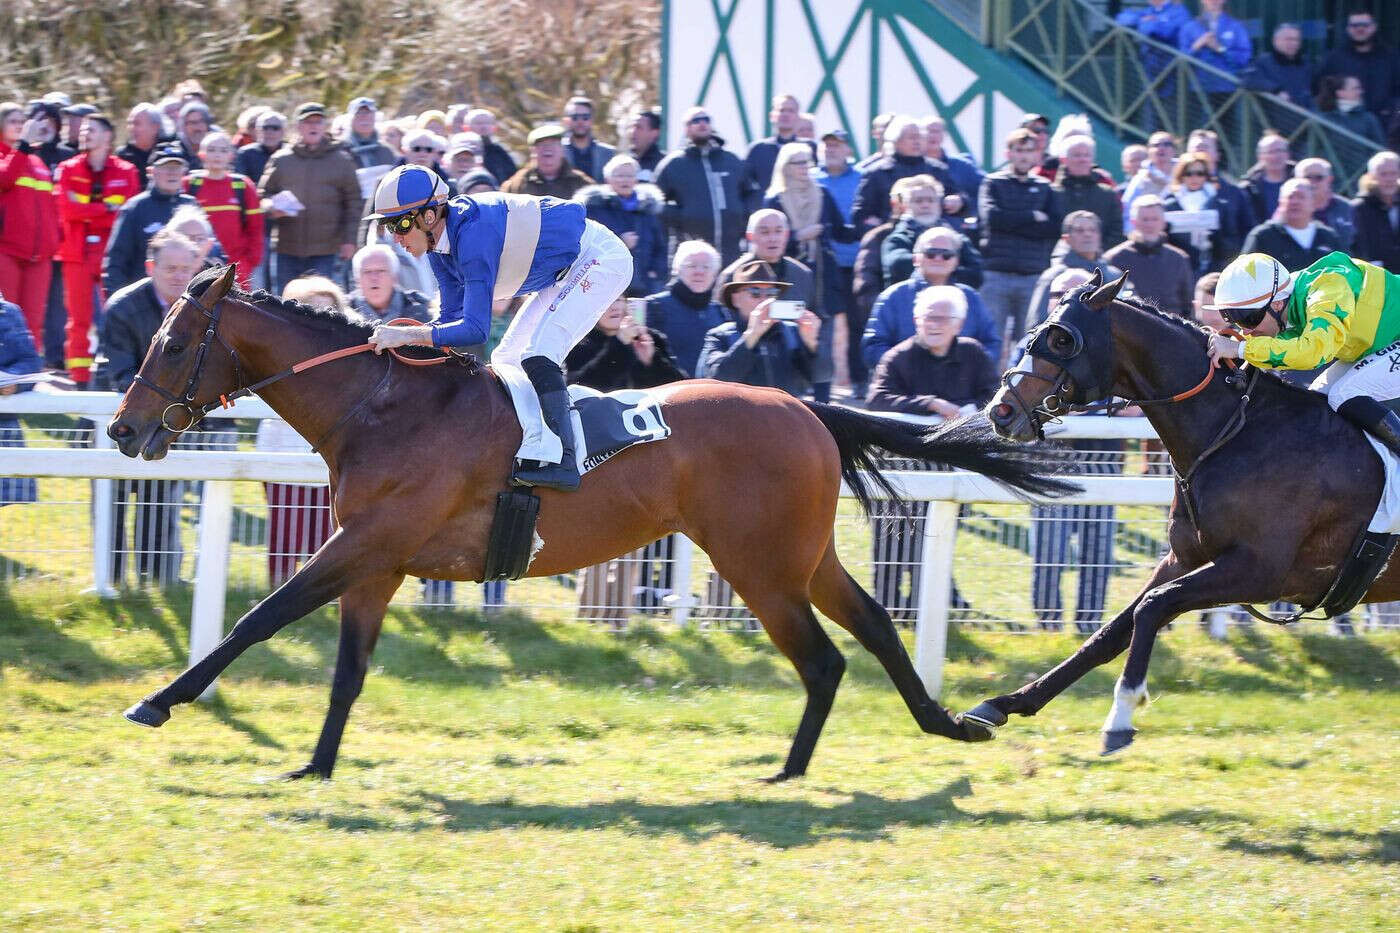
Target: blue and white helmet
[406,189]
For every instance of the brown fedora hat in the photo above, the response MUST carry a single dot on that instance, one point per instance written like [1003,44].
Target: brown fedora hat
[755,272]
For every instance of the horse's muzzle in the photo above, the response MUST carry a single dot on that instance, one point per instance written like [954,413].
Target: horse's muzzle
[1010,422]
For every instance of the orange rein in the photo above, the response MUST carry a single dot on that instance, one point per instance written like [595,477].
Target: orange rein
[304,365]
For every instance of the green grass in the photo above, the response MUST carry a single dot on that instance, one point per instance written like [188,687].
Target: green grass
[556,776]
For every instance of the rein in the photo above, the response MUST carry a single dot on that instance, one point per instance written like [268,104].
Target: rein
[196,413]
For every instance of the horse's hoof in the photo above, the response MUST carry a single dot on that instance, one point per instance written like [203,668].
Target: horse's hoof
[147,714]
[305,771]
[1116,740]
[973,729]
[779,778]
[986,715]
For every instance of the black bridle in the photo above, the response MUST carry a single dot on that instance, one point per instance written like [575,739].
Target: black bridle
[185,400]
[1083,382]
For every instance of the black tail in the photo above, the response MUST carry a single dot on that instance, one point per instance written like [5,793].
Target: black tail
[967,444]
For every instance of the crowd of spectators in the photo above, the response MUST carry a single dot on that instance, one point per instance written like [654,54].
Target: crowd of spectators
[903,280]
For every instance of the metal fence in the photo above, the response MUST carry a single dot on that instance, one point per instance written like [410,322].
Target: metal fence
[1139,85]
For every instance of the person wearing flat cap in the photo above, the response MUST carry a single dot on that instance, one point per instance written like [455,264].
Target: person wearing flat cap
[320,172]
[757,348]
[548,173]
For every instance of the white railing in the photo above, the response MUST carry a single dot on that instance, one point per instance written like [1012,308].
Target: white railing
[219,470]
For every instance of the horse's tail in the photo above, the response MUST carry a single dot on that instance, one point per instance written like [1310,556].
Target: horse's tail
[967,443]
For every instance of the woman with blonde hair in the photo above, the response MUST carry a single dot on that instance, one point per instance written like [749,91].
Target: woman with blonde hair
[1208,223]
[814,221]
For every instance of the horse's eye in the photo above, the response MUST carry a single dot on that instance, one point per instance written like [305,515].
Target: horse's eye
[1060,341]
[174,349]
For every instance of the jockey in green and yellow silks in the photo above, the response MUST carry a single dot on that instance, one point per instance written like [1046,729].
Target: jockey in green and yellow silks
[1338,310]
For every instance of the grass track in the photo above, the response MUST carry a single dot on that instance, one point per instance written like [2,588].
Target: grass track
[559,777]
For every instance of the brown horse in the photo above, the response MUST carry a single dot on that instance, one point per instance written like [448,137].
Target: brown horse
[417,457]
[1273,487]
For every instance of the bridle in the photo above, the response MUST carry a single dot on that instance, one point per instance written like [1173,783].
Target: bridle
[1080,382]
[185,400]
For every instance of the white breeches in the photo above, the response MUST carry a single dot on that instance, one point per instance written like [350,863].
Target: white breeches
[552,321]
[1376,375]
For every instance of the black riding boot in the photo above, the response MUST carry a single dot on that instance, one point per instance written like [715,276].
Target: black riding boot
[1377,419]
[548,380]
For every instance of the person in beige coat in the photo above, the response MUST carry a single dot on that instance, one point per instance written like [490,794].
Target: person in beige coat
[312,197]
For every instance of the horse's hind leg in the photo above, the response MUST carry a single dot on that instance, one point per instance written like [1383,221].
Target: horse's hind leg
[361,616]
[798,635]
[843,600]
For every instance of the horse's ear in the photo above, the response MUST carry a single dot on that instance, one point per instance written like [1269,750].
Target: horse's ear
[1103,294]
[220,287]
[1096,279]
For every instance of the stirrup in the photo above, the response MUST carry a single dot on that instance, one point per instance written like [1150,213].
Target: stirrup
[548,475]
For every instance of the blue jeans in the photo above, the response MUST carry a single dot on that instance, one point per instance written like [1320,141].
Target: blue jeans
[285,268]
[1050,554]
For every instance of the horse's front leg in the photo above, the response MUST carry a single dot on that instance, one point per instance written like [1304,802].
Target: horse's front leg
[1235,576]
[1100,648]
[361,616]
[346,556]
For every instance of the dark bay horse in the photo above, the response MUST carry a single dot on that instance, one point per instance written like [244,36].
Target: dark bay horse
[418,455]
[1276,487]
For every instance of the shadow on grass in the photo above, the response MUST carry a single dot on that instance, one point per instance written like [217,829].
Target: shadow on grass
[39,645]
[785,824]
[221,711]
[780,824]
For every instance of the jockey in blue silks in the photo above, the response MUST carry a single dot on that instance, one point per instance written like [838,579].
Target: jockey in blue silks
[491,246]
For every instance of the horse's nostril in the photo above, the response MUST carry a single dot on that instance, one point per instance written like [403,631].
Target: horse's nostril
[1002,411]
[119,431]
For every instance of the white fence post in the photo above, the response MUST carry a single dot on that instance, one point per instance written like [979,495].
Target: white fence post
[680,600]
[935,591]
[102,525]
[211,572]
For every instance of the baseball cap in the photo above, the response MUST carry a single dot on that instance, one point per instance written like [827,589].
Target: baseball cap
[96,116]
[170,152]
[464,142]
[58,98]
[310,109]
[79,110]
[545,131]
[838,135]
[272,117]
[359,102]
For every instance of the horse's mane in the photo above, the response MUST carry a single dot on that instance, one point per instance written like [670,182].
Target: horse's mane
[1201,334]
[350,323]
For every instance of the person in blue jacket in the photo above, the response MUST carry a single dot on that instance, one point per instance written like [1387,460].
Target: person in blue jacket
[1160,20]
[892,319]
[492,246]
[17,357]
[1219,40]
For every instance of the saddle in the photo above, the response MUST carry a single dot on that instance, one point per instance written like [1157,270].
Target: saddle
[604,426]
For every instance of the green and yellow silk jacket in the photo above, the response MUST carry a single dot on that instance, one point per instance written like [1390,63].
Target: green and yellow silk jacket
[1340,309]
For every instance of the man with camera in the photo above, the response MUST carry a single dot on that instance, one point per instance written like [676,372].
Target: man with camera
[769,343]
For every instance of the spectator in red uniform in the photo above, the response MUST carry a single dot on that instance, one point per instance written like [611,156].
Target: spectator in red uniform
[28,229]
[231,202]
[91,187]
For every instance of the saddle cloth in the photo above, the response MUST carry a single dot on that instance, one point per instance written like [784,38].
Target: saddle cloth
[1387,517]
[606,425]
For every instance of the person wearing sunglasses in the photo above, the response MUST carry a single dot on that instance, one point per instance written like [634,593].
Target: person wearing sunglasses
[1361,52]
[581,148]
[494,246]
[709,193]
[1338,311]
[1202,223]
[757,348]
